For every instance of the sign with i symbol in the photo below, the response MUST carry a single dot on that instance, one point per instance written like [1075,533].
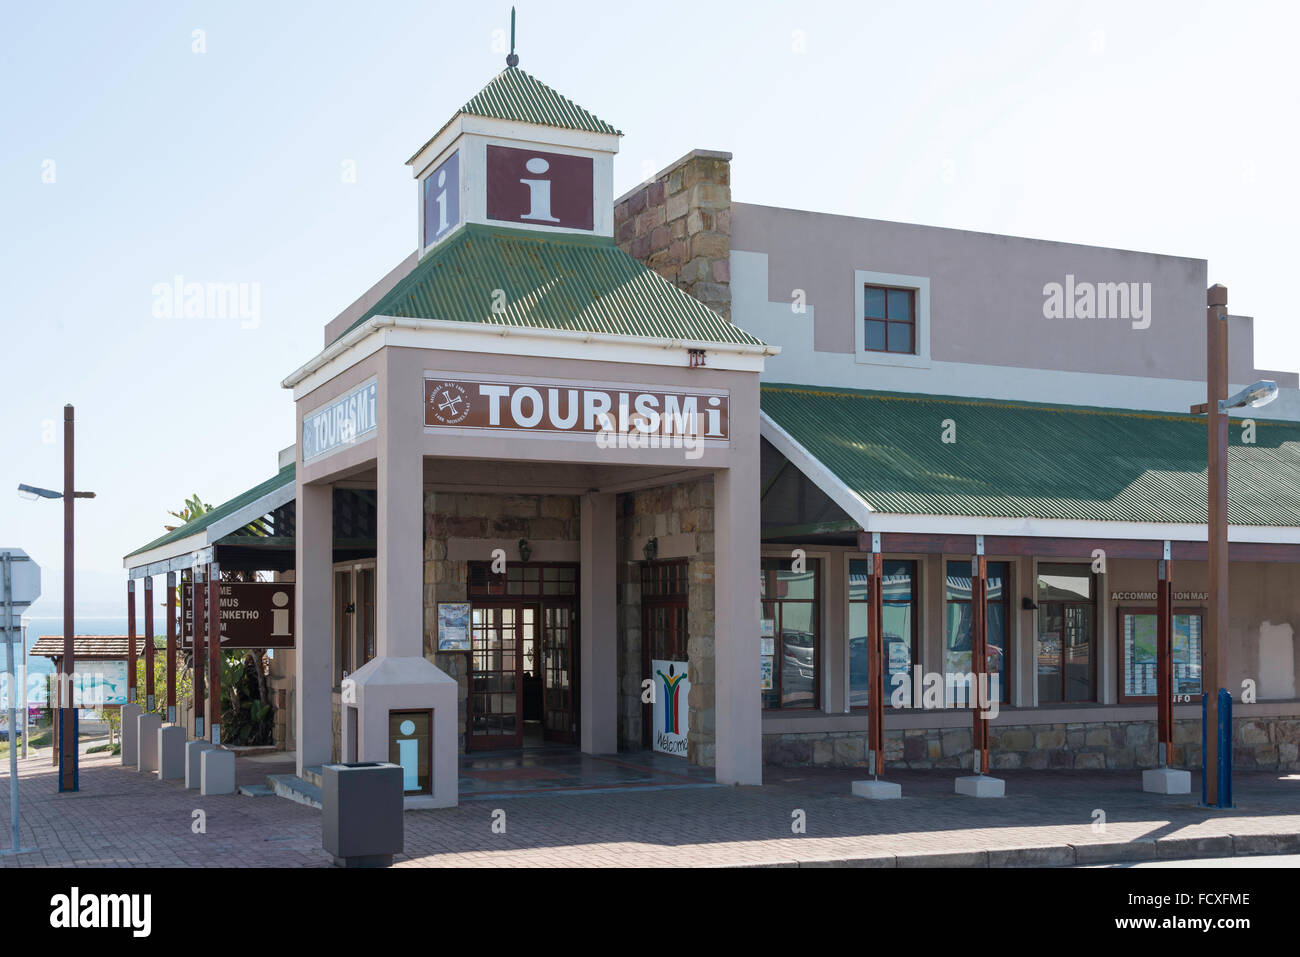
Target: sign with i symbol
[442,199]
[539,189]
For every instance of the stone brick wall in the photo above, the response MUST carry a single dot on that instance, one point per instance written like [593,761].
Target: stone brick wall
[679,224]
[1258,742]
[496,521]
[681,518]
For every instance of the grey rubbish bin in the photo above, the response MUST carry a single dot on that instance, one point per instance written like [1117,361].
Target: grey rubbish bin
[361,813]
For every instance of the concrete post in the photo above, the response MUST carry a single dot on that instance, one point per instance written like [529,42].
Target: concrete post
[314,645]
[399,565]
[129,715]
[597,625]
[146,741]
[738,716]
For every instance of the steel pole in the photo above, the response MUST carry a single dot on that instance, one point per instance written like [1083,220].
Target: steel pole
[131,695]
[214,653]
[149,653]
[979,657]
[1216,634]
[171,647]
[13,694]
[68,777]
[1165,660]
[26,707]
[196,647]
[876,667]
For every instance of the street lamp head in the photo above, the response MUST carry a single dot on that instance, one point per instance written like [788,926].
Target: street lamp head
[1257,395]
[1262,393]
[32,493]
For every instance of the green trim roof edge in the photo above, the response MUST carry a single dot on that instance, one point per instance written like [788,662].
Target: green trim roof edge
[1036,460]
[851,393]
[285,476]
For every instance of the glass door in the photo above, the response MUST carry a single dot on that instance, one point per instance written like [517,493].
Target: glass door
[559,720]
[498,634]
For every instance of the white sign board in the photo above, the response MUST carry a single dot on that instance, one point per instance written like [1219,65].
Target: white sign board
[25,579]
[96,683]
[669,722]
[341,422]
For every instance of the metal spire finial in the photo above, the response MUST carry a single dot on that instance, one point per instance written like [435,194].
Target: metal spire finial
[512,59]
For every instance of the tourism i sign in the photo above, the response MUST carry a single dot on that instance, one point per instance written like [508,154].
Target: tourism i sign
[558,409]
[253,614]
[539,189]
[341,422]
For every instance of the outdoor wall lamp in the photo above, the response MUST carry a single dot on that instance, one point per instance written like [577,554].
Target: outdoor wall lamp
[1255,396]
[524,550]
[1028,604]
[651,549]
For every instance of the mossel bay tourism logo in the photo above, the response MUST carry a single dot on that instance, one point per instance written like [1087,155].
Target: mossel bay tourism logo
[448,403]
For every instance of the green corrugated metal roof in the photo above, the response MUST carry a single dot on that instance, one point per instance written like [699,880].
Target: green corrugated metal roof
[284,477]
[516,95]
[550,281]
[1027,460]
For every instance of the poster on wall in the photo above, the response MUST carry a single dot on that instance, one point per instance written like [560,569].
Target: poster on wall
[453,625]
[670,711]
[765,673]
[98,683]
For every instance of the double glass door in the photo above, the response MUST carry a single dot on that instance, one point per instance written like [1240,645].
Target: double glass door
[521,675]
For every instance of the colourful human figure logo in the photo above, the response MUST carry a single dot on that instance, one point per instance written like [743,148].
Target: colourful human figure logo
[671,687]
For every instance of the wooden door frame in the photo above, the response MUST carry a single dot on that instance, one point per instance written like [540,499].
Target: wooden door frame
[570,603]
[672,602]
[502,602]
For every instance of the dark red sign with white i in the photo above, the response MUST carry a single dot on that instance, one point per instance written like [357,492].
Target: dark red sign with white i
[539,189]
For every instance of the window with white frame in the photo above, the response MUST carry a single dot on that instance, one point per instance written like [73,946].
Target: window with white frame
[892,319]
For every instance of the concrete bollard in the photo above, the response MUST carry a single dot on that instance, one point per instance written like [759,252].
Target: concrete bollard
[146,742]
[130,735]
[171,753]
[193,755]
[218,771]
[981,786]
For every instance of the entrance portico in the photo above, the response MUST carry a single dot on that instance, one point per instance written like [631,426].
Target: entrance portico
[402,451]
[505,392]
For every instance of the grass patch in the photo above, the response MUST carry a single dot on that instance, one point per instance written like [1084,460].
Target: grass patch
[39,739]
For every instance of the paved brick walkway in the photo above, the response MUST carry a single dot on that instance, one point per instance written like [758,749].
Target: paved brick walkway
[121,818]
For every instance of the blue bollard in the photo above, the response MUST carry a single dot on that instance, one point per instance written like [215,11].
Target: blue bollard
[1205,772]
[1225,748]
[1223,734]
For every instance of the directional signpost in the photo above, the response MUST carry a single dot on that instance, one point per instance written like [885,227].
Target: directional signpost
[22,586]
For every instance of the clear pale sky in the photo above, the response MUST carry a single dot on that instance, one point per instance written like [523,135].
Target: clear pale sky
[1165,127]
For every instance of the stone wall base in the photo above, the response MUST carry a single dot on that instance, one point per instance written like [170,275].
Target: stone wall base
[1270,743]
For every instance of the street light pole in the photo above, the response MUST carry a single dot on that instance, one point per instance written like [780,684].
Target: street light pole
[1216,638]
[68,778]
[66,745]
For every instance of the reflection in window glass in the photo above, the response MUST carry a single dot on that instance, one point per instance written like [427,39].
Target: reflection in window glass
[1065,583]
[1067,634]
[898,620]
[957,622]
[789,636]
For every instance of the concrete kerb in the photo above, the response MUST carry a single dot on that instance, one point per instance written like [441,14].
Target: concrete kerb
[1073,855]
